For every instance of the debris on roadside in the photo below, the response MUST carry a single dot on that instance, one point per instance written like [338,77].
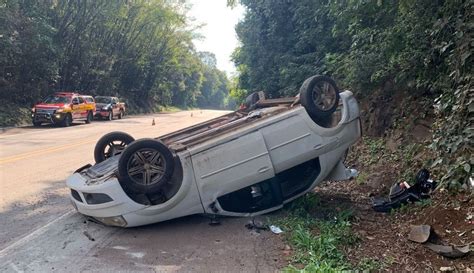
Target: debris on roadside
[403,193]
[256,225]
[276,229]
[420,233]
[423,233]
[449,251]
[88,236]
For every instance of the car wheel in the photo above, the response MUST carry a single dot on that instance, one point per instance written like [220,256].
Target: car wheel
[145,166]
[120,116]
[110,116]
[251,100]
[110,145]
[67,121]
[320,96]
[89,117]
[36,123]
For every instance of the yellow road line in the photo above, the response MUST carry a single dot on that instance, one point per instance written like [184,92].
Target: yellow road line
[43,151]
[52,149]
[26,155]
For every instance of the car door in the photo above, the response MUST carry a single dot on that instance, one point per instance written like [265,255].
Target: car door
[76,108]
[291,142]
[115,106]
[83,107]
[232,166]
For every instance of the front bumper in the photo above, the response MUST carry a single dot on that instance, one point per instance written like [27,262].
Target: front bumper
[117,204]
[102,114]
[52,118]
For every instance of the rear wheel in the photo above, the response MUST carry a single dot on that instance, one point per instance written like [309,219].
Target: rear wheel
[145,167]
[319,96]
[110,145]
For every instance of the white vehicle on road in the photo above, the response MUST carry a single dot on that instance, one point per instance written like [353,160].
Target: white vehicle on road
[245,163]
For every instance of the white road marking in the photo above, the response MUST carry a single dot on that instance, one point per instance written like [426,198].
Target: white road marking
[138,255]
[34,234]
[120,247]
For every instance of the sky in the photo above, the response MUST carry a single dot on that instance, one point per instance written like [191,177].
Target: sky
[218,30]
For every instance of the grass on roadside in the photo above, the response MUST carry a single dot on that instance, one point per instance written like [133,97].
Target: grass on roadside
[317,243]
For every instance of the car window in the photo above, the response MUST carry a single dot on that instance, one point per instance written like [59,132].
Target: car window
[89,99]
[102,100]
[81,100]
[56,99]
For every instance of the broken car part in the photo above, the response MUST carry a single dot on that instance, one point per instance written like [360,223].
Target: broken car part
[403,193]
[423,233]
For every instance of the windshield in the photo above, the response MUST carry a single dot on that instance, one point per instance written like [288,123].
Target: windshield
[56,99]
[102,100]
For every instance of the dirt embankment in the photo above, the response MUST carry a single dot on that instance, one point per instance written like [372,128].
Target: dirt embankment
[396,135]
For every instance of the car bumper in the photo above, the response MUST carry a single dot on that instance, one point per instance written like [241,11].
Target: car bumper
[48,118]
[117,204]
[102,114]
[121,207]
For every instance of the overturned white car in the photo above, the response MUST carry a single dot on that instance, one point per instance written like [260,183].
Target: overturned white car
[248,162]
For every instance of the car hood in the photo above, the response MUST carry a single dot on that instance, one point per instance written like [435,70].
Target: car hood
[49,105]
[100,105]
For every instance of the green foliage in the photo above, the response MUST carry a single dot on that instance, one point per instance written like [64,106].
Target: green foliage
[422,47]
[140,50]
[317,243]
[367,264]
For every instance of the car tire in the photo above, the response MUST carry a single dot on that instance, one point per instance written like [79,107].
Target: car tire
[110,116]
[67,121]
[90,117]
[36,123]
[251,100]
[320,96]
[120,116]
[116,142]
[145,166]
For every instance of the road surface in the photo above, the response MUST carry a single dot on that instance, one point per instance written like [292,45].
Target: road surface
[40,231]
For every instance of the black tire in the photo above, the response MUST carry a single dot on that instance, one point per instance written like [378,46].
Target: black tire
[36,123]
[320,96]
[120,116]
[90,117]
[111,144]
[110,116]
[251,100]
[145,167]
[67,121]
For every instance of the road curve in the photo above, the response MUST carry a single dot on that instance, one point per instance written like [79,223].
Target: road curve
[39,230]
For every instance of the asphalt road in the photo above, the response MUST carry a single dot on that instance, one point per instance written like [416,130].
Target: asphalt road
[41,232]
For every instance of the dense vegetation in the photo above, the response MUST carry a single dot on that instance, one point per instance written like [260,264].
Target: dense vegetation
[140,50]
[421,48]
